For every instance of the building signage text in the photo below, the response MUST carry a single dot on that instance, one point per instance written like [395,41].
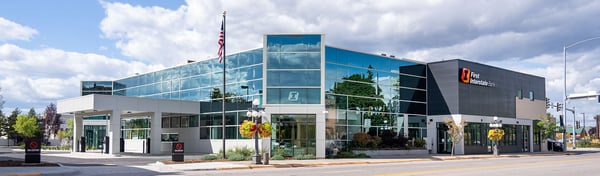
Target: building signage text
[469,77]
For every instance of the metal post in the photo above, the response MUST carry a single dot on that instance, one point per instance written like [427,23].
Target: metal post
[565,47]
[574,129]
[564,110]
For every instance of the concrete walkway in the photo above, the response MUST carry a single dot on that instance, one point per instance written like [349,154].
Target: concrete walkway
[166,166]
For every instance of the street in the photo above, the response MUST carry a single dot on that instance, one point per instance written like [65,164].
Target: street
[584,163]
[580,162]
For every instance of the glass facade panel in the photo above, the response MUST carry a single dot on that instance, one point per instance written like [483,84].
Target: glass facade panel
[294,96]
[293,78]
[413,82]
[293,61]
[196,81]
[371,94]
[96,87]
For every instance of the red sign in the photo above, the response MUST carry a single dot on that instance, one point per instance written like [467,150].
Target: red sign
[465,75]
[33,145]
[178,146]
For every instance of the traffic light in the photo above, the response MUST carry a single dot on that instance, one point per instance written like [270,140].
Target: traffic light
[560,117]
[547,103]
[577,124]
[558,107]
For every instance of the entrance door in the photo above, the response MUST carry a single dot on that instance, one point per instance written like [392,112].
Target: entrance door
[294,134]
[443,139]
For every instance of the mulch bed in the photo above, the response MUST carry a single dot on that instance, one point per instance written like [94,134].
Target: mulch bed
[193,161]
[11,163]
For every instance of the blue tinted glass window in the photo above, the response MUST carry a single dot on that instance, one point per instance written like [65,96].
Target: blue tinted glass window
[294,96]
[293,43]
[294,60]
[418,70]
[412,82]
[294,78]
[413,95]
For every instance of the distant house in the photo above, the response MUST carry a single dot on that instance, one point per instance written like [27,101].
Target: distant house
[580,132]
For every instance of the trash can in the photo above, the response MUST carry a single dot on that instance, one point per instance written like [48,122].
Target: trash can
[177,152]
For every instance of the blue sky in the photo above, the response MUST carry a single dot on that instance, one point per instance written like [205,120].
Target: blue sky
[47,47]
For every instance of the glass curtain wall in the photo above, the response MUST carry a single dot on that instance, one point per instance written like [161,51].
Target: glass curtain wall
[293,69]
[368,93]
[200,81]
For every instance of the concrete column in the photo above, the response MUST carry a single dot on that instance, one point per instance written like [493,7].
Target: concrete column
[77,132]
[405,124]
[531,138]
[155,132]
[114,132]
[320,135]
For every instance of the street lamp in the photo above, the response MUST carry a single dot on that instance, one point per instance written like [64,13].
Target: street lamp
[257,114]
[247,88]
[564,112]
[495,124]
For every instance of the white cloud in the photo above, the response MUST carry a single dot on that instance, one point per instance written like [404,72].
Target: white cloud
[13,31]
[39,77]
[527,36]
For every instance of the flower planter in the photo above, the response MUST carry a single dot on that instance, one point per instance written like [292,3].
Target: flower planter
[380,153]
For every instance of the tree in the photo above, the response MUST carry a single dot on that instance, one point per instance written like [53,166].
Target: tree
[455,131]
[10,122]
[548,127]
[51,122]
[67,133]
[27,126]
[31,113]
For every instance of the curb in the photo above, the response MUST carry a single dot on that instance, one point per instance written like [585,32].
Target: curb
[368,161]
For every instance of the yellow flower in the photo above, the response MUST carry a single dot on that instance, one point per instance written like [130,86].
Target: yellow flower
[247,129]
[495,134]
[264,129]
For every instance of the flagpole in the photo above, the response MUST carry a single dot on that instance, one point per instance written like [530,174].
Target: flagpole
[224,83]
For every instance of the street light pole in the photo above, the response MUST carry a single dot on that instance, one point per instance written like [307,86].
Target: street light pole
[257,114]
[564,111]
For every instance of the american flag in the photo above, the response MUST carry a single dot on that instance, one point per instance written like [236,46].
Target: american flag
[221,43]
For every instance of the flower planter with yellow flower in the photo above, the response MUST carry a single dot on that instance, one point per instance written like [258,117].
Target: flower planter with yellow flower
[264,130]
[248,128]
[495,135]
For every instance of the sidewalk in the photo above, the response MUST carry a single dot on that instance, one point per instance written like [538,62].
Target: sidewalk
[225,165]
[330,162]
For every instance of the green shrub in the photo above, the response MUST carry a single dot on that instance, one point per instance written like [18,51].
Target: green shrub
[420,143]
[209,157]
[361,140]
[280,151]
[245,152]
[345,154]
[236,157]
[362,155]
[309,156]
[277,157]
[299,157]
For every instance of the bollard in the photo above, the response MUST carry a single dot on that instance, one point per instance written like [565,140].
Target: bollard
[266,159]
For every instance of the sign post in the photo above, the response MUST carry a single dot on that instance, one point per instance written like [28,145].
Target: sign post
[32,151]
[177,151]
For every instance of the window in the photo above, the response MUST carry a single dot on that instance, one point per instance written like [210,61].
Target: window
[167,137]
[520,94]
[166,122]
[531,98]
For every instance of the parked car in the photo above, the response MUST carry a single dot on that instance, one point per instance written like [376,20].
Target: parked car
[554,145]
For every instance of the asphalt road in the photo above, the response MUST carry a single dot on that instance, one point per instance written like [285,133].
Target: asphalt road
[583,163]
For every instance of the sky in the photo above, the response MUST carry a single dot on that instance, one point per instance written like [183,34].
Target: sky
[48,47]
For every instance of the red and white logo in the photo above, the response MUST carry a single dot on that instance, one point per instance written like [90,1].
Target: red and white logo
[465,75]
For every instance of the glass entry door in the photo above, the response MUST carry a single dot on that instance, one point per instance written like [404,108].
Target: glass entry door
[294,134]
[443,139]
